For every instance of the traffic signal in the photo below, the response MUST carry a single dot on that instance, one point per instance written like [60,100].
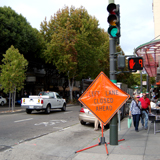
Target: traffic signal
[114,20]
[135,63]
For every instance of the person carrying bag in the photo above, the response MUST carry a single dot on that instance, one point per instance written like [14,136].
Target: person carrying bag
[135,111]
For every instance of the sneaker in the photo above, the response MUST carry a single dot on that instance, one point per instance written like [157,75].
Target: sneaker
[137,130]
[145,128]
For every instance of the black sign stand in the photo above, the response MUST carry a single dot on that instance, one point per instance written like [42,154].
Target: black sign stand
[102,141]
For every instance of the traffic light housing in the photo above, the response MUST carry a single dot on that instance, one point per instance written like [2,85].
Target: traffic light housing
[135,63]
[121,62]
[114,20]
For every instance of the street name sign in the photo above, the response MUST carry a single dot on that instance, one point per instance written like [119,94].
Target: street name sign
[103,98]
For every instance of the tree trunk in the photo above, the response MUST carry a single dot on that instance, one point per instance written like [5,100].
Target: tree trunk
[71,82]
[9,100]
[12,101]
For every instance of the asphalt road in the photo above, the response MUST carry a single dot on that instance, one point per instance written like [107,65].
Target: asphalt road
[20,127]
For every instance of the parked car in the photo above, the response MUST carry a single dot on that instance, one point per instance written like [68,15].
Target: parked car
[2,101]
[85,116]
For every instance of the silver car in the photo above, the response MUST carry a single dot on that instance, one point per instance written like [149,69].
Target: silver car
[85,116]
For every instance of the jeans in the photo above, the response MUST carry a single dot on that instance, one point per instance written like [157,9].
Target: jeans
[136,118]
[144,116]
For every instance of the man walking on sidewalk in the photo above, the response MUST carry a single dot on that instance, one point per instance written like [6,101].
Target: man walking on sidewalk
[146,108]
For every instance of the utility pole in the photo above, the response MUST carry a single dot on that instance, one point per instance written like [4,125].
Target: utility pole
[148,84]
[141,81]
[114,34]
[113,78]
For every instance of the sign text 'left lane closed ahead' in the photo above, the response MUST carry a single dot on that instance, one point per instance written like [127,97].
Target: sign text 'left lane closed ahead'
[103,98]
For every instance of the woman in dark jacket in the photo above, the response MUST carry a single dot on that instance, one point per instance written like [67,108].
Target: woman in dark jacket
[135,110]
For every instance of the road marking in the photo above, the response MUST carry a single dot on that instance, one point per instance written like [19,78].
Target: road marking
[24,120]
[44,123]
[50,123]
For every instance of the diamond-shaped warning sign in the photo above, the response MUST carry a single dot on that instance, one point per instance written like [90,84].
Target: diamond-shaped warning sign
[103,98]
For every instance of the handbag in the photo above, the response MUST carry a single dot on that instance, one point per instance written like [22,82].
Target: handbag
[139,109]
[129,122]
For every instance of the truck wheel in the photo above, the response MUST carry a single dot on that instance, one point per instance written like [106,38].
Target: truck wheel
[48,109]
[28,111]
[64,107]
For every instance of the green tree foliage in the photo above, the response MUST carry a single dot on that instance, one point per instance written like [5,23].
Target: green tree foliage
[136,81]
[75,44]
[16,31]
[13,70]
[152,80]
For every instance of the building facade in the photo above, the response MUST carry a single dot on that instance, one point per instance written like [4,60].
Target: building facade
[156,18]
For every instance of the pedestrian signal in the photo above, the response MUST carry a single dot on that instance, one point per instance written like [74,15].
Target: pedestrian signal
[135,63]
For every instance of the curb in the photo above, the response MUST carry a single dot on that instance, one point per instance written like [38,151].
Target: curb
[12,112]
[7,111]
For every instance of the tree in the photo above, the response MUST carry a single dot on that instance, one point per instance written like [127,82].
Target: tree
[135,80]
[16,31]
[13,70]
[75,44]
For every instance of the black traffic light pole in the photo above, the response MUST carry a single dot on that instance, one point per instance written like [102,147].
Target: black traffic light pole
[141,81]
[113,121]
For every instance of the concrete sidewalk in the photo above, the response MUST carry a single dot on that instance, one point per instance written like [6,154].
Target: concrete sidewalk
[135,146]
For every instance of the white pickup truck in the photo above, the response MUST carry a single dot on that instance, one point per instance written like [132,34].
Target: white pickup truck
[45,100]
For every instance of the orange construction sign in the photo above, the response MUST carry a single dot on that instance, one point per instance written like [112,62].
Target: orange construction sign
[103,98]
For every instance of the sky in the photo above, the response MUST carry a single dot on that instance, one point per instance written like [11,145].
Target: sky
[136,16]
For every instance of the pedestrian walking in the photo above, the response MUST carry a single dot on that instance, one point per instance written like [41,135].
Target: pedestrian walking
[146,108]
[135,111]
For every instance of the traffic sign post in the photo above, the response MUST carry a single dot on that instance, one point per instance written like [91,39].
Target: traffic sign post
[114,34]
[103,98]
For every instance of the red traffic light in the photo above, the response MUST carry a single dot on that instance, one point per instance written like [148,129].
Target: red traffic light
[135,63]
[112,18]
[111,8]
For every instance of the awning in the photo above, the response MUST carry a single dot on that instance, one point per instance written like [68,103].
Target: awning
[151,56]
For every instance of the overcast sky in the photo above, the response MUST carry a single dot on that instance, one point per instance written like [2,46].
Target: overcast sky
[137,26]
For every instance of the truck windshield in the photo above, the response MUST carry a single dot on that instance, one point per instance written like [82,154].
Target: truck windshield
[43,93]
